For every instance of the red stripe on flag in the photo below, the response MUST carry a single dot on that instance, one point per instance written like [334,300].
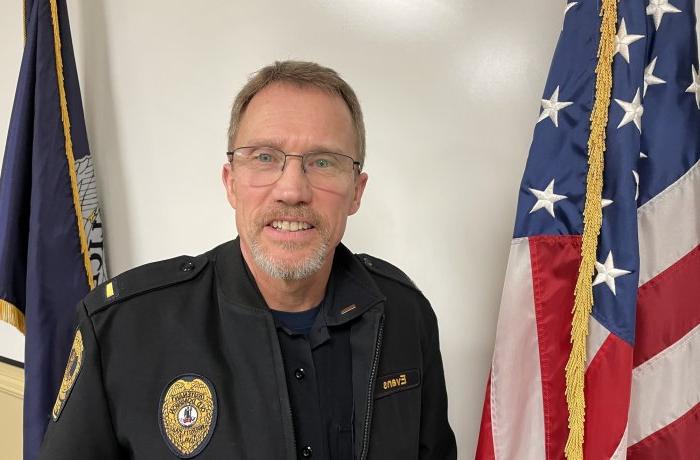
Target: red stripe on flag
[667,308]
[608,382]
[555,263]
[484,448]
[677,441]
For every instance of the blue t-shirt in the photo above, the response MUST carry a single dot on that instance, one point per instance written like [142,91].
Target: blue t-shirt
[298,322]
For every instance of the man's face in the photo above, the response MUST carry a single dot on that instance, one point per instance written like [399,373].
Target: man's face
[290,227]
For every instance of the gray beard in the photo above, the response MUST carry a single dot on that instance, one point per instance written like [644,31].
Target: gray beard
[297,270]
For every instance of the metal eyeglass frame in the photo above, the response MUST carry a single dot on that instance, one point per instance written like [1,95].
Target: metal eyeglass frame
[355,163]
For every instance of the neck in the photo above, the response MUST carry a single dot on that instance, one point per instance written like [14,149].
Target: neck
[290,295]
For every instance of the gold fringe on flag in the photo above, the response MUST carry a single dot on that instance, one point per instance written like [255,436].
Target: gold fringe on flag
[12,315]
[24,19]
[69,143]
[592,221]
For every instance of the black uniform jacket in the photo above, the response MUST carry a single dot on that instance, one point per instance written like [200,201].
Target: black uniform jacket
[180,358]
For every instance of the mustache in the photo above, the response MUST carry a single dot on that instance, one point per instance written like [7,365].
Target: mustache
[300,212]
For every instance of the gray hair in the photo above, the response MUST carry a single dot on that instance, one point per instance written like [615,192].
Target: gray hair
[303,74]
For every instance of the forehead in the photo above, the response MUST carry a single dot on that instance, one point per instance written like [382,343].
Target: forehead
[297,117]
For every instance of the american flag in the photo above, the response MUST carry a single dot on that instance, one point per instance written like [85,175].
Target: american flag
[642,379]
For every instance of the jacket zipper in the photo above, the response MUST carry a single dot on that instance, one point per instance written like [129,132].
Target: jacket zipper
[289,404]
[370,392]
[294,434]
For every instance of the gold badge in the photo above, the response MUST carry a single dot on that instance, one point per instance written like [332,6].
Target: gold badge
[188,414]
[75,363]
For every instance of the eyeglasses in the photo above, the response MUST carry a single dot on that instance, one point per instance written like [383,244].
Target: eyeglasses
[260,165]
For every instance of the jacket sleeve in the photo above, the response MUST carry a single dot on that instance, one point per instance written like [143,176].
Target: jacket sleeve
[437,441]
[80,424]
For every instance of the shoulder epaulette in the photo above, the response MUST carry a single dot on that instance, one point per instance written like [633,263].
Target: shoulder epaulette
[387,270]
[146,278]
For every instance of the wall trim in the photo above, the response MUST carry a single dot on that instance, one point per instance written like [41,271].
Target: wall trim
[11,380]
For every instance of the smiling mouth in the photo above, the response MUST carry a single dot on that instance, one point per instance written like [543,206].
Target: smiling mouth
[290,226]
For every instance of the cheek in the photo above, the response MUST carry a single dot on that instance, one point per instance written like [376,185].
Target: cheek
[337,207]
[247,205]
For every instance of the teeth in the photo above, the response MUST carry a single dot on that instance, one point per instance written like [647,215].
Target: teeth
[288,226]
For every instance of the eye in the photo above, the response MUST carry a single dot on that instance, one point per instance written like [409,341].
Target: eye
[264,157]
[322,163]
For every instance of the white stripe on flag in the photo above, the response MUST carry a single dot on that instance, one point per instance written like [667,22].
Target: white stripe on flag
[621,451]
[669,225]
[517,412]
[665,387]
[597,334]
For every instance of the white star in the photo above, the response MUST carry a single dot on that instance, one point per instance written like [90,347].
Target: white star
[695,86]
[633,111]
[623,41]
[650,78]
[636,182]
[658,8]
[607,273]
[643,155]
[551,108]
[605,203]
[546,199]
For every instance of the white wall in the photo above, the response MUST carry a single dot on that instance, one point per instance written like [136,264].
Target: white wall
[458,79]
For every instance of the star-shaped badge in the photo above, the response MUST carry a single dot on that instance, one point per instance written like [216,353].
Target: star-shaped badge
[633,111]
[623,41]
[695,86]
[546,198]
[650,78]
[551,108]
[607,273]
[658,8]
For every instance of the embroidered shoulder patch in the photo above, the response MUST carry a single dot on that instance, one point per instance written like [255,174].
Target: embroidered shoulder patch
[398,381]
[187,413]
[75,363]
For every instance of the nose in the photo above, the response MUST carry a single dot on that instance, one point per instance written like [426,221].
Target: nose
[293,186]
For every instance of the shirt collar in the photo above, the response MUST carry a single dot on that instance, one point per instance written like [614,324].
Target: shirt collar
[354,291]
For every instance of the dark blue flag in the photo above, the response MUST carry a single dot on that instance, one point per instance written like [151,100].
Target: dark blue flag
[51,250]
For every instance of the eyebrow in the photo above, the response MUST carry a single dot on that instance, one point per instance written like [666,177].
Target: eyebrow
[277,142]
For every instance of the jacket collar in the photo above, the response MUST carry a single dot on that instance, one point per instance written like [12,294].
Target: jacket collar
[354,291]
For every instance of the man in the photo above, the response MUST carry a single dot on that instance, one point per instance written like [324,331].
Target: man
[281,344]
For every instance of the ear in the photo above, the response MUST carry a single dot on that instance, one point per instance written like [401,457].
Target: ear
[360,184]
[227,179]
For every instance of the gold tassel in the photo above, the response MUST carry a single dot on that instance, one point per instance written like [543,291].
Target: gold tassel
[69,143]
[12,315]
[592,221]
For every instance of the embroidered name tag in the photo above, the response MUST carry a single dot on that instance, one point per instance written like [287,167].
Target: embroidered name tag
[399,381]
